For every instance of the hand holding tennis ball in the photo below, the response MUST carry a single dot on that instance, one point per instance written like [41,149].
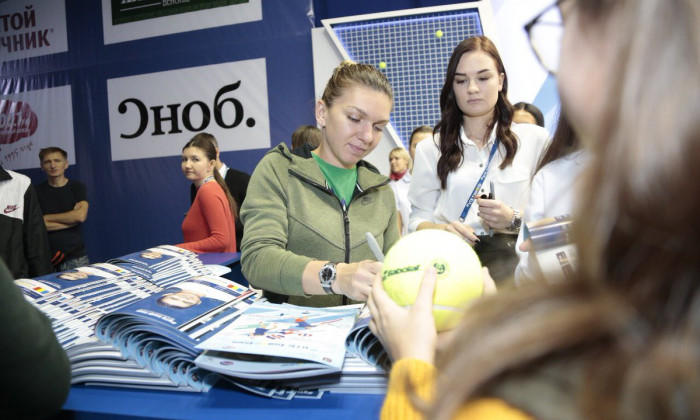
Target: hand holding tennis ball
[459,273]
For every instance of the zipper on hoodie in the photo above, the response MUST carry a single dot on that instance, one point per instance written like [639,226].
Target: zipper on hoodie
[344,212]
[346,225]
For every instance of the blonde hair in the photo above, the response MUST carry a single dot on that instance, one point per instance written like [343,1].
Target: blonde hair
[349,74]
[403,154]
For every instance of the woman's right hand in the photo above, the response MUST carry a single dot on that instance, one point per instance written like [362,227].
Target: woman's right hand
[355,279]
[405,333]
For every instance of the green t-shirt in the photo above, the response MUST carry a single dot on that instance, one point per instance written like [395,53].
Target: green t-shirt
[342,181]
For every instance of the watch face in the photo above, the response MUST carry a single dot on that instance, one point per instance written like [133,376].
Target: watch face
[516,223]
[327,275]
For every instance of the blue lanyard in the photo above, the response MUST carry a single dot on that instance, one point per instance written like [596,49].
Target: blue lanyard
[467,206]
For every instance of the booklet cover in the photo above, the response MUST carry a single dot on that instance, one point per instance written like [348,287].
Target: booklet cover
[160,332]
[554,250]
[364,345]
[272,341]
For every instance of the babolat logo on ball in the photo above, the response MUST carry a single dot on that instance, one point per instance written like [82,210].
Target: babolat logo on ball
[442,267]
[394,271]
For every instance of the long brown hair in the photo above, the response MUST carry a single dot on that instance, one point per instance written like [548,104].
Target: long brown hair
[207,143]
[631,317]
[451,147]
[564,142]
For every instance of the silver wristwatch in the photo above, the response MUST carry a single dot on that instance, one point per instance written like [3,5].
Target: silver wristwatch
[327,276]
[516,221]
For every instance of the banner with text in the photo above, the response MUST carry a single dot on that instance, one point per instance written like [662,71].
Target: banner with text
[33,120]
[155,114]
[126,20]
[32,28]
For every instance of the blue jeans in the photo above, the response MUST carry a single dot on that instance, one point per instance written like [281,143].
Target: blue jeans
[72,263]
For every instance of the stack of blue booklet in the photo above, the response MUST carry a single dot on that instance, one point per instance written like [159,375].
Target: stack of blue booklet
[162,296]
[159,319]
[160,332]
[163,265]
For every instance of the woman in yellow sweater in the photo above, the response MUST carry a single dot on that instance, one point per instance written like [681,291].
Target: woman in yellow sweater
[621,340]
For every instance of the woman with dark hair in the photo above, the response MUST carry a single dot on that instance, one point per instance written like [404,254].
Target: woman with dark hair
[476,148]
[527,113]
[620,340]
[552,192]
[420,133]
[209,225]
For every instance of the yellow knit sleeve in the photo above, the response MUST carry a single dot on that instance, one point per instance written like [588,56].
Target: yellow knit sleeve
[408,376]
[491,409]
[416,377]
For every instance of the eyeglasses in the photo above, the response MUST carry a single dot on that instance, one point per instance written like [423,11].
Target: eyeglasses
[545,32]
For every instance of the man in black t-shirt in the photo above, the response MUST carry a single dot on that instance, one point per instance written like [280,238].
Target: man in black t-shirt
[65,207]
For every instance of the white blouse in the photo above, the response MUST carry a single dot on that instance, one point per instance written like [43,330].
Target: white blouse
[552,194]
[402,205]
[429,203]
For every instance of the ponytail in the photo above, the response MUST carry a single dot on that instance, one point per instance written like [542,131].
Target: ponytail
[231,202]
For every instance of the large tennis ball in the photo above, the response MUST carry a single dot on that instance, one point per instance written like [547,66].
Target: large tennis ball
[459,275]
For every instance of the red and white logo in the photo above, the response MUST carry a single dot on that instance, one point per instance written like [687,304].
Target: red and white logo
[17,121]
[32,120]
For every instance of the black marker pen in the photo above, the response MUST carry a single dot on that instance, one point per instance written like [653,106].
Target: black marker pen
[492,196]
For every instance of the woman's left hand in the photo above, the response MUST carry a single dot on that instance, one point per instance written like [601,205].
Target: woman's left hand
[405,332]
[494,213]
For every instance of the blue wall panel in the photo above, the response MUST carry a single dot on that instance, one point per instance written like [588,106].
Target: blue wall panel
[135,204]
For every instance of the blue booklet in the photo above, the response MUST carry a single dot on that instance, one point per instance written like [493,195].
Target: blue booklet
[162,301]
[161,331]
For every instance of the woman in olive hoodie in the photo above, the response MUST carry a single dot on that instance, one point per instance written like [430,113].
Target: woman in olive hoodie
[305,217]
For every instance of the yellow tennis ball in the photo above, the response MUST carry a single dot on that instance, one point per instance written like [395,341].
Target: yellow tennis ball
[382,65]
[438,33]
[459,274]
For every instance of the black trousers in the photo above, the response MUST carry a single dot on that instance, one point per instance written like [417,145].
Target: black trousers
[497,252]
